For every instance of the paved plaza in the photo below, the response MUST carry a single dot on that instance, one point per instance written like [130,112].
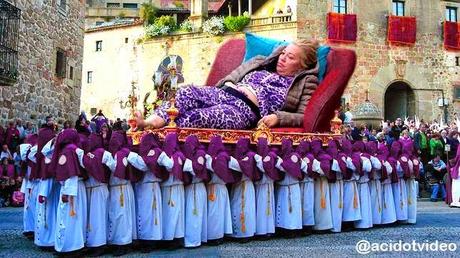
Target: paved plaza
[436,221]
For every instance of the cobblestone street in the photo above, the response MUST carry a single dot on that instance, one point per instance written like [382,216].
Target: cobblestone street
[436,221]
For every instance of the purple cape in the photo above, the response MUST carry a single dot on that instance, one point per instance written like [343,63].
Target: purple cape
[193,150]
[220,159]
[269,158]
[245,158]
[42,170]
[94,166]
[150,150]
[67,165]
[171,148]
[291,160]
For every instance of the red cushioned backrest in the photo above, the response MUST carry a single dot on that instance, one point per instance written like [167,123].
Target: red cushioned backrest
[326,99]
[229,56]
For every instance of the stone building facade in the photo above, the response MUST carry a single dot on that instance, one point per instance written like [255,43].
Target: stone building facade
[402,80]
[50,53]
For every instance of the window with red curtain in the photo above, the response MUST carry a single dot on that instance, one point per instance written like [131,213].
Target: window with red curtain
[402,30]
[341,27]
[451,35]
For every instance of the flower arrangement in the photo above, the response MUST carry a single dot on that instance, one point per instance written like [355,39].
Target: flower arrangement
[236,23]
[162,26]
[214,26]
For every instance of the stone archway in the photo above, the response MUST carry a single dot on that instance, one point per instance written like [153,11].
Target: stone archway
[399,101]
[414,77]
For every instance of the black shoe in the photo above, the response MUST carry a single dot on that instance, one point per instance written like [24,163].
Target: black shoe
[96,251]
[263,237]
[215,242]
[47,248]
[147,246]
[120,250]
[306,231]
[29,235]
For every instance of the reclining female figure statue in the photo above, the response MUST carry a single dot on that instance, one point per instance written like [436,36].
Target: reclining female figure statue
[272,90]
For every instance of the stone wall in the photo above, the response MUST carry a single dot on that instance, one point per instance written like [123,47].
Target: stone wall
[428,65]
[44,29]
[119,63]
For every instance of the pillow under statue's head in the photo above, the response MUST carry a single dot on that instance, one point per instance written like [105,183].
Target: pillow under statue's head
[258,45]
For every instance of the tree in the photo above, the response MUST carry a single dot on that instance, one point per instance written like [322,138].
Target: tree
[148,13]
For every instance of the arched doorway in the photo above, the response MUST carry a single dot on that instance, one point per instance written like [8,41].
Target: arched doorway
[399,101]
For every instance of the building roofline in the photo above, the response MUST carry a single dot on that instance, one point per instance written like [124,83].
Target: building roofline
[115,26]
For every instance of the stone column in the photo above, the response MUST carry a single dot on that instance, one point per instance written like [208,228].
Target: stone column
[198,13]
[239,7]
[250,7]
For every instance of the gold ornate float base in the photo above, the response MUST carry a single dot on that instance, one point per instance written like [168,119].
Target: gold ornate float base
[232,136]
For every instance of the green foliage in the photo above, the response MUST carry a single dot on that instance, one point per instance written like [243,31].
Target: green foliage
[122,14]
[148,13]
[186,26]
[179,4]
[236,23]
[166,20]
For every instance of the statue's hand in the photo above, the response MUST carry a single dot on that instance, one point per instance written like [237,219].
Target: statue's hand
[140,122]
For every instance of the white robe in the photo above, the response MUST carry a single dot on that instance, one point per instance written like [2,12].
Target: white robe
[219,212]
[376,191]
[388,203]
[148,202]
[336,192]
[400,195]
[455,192]
[122,210]
[29,189]
[265,201]
[98,204]
[365,196]
[351,203]
[45,220]
[173,202]
[242,204]
[288,202]
[307,189]
[71,216]
[411,195]
[196,212]
[323,212]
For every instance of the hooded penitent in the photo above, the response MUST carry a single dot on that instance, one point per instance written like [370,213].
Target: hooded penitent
[393,160]
[454,172]
[408,150]
[171,149]
[119,148]
[195,152]
[358,151]
[65,159]
[291,159]
[150,150]
[347,150]
[32,140]
[325,160]
[42,169]
[245,157]
[334,152]
[220,159]
[304,150]
[92,160]
[382,155]
[269,159]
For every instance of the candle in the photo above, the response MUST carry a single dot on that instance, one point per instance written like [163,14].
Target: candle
[158,78]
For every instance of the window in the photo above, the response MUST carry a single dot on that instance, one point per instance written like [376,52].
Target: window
[61,63]
[451,13]
[98,23]
[457,92]
[98,45]
[113,5]
[398,7]
[126,40]
[130,6]
[89,77]
[340,6]
[62,4]
[71,72]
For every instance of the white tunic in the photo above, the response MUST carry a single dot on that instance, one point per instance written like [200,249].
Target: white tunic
[29,189]
[196,212]
[351,203]
[388,203]
[243,204]
[148,201]
[45,221]
[336,190]
[323,212]
[265,201]
[71,216]
[122,209]
[365,196]
[288,202]
[173,202]
[376,191]
[219,212]
[455,192]
[307,189]
[98,203]
[400,195]
[412,195]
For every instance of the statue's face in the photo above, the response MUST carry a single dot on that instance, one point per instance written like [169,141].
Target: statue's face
[289,62]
